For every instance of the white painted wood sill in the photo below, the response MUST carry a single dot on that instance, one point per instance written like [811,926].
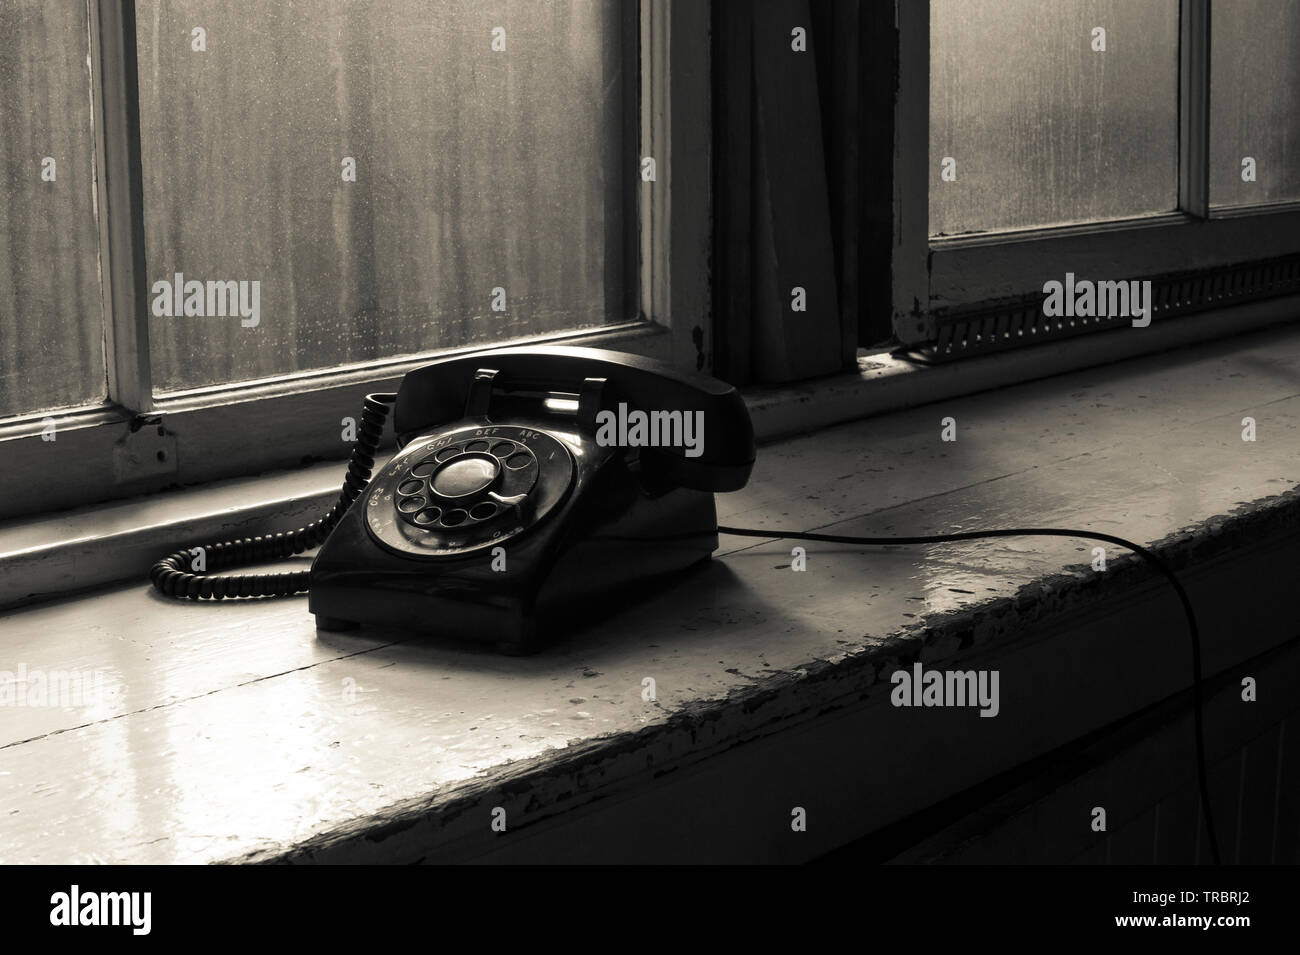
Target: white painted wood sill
[235,731]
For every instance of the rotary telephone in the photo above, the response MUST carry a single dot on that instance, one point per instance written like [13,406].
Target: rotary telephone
[529,482]
[532,481]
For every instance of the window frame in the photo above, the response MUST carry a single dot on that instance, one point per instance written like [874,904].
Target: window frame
[937,275]
[137,443]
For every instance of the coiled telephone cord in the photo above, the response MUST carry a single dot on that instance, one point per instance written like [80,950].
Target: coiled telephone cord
[171,575]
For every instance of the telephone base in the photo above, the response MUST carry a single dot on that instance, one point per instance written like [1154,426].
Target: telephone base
[335,624]
[613,549]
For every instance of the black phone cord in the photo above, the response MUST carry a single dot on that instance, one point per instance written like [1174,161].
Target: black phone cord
[1198,702]
[172,575]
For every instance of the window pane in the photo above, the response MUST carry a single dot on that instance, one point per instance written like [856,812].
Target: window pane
[1254,101]
[476,170]
[51,313]
[1043,129]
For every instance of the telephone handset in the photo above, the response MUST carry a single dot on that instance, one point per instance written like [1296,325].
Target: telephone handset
[532,485]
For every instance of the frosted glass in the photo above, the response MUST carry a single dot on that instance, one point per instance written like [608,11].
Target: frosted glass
[51,312]
[1254,100]
[476,170]
[1043,130]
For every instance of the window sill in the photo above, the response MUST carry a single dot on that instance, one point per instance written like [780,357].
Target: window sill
[81,549]
[235,731]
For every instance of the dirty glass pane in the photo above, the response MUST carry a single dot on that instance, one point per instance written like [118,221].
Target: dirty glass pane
[51,314]
[1254,101]
[488,192]
[1040,127]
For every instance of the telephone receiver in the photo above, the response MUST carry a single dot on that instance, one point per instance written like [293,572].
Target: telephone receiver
[534,488]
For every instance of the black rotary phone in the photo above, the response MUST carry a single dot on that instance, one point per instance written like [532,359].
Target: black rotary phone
[532,485]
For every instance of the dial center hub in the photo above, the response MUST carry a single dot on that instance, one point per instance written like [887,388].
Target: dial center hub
[465,475]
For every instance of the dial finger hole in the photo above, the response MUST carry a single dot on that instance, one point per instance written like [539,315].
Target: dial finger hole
[453,517]
[503,449]
[476,446]
[424,469]
[482,510]
[410,505]
[410,487]
[446,453]
[428,516]
[520,460]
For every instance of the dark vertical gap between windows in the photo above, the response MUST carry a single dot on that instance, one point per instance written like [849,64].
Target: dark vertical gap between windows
[835,46]
[857,76]
[878,83]
[854,47]
[733,123]
[622,223]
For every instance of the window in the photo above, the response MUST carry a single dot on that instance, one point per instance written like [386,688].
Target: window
[1148,139]
[392,183]
[1036,126]
[1076,119]
[265,211]
[343,187]
[51,325]
[1254,102]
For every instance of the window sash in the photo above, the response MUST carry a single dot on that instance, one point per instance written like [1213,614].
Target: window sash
[115,86]
[937,274]
[115,450]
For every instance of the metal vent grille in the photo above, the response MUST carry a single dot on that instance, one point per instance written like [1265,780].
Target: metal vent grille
[1015,324]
